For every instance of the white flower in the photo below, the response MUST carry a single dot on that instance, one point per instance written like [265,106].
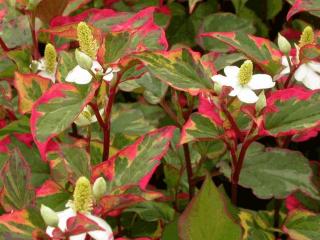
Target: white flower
[41,67]
[307,73]
[80,75]
[105,234]
[243,81]
[87,117]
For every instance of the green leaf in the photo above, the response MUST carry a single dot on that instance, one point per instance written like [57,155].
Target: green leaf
[206,217]
[78,161]
[55,111]
[223,22]
[311,6]
[22,58]
[151,211]
[257,225]
[192,4]
[40,171]
[302,225]
[200,127]
[181,69]
[19,126]
[18,192]
[7,67]
[291,111]
[275,172]
[260,50]
[135,164]
[30,87]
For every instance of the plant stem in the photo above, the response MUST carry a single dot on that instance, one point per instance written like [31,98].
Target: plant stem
[95,109]
[32,19]
[107,121]
[239,164]
[187,157]
[232,121]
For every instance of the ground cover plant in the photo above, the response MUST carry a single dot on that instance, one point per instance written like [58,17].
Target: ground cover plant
[127,119]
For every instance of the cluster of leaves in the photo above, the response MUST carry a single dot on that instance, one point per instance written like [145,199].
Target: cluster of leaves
[166,130]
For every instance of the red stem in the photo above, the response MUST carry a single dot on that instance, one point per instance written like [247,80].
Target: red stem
[189,169]
[237,170]
[232,121]
[95,109]
[107,122]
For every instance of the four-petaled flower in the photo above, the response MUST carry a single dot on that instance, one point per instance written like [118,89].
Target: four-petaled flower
[243,81]
[80,75]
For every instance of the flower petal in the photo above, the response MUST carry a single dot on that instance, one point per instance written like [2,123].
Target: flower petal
[81,236]
[96,67]
[49,231]
[109,76]
[301,72]
[246,95]
[223,81]
[50,76]
[231,71]
[312,80]
[100,235]
[315,66]
[261,81]
[79,76]
[63,217]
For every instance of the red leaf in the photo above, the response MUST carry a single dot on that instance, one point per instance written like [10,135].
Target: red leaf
[302,6]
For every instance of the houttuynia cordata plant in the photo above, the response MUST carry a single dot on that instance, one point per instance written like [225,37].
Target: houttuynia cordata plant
[177,119]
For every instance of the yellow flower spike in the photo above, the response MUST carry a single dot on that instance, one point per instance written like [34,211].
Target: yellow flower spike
[82,196]
[88,44]
[307,36]
[245,72]
[50,57]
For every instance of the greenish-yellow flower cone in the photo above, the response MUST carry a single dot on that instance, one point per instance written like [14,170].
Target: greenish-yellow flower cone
[87,43]
[50,57]
[245,72]
[82,196]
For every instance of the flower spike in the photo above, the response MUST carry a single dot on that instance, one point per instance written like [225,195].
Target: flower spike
[88,44]
[50,56]
[82,196]
[245,72]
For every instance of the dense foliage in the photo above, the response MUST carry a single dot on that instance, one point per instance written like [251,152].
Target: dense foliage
[178,119]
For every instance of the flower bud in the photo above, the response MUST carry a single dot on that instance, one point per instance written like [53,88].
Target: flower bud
[99,188]
[83,60]
[49,216]
[283,44]
[261,103]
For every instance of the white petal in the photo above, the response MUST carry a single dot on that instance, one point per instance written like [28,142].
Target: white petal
[41,65]
[312,80]
[108,77]
[261,81]
[231,71]
[49,231]
[100,235]
[223,81]
[96,67]
[79,76]
[81,236]
[45,74]
[285,71]
[246,95]
[236,89]
[94,118]
[284,61]
[315,66]
[301,72]
[63,217]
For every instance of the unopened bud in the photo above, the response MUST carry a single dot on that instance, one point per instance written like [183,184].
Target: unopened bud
[307,36]
[283,44]
[83,60]
[261,103]
[99,188]
[49,216]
